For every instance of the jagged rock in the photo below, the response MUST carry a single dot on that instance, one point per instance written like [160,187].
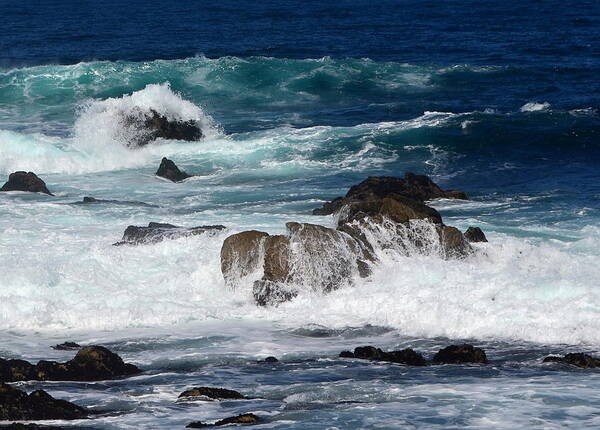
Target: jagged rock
[475,234]
[152,125]
[67,346]
[92,363]
[25,181]
[269,293]
[578,359]
[157,232]
[457,354]
[91,200]
[39,405]
[243,419]
[241,256]
[415,187]
[406,356]
[170,171]
[211,393]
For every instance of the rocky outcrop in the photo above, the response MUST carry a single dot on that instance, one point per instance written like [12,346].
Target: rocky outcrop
[39,405]
[475,234]
[244,419]
[67,346]
[157,232]
[152,125]
[241,255]
[458,354]
[92,363]
[25,181]
[578,359]
[406,356]
[170,171]
[210,393]
[414,187]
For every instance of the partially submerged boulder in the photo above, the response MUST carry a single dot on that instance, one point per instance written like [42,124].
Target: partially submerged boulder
[244,419]
[25,181]
[458,354]
[211,393]
[92,363]
[170,171]
[92,200]
[578,359]
[152,125]
[39,405]
[475,234]
[67,346]
[406,356]
[157,232]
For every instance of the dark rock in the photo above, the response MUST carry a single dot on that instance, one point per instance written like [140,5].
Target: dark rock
[415,187]
[67,346]
[212,393]
[395,208]
[152,125]
[170,171]
[25,181]
[454,244]
[92,363]
[269,293]
[475,234]
[19,426]
[271,360]
[157,232]
[39,405]
[244,419]
[241,256]
[457,354]
[91,200]
[406,356]
[578,359]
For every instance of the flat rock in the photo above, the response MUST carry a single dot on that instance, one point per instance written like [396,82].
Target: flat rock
[244,419]
[25,181]
[212,393]
[170,171]
[39,405]
[156,232]
[458,354]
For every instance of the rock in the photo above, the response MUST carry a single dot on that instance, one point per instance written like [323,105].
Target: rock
[67,346]
[92,363]
[152,125]
[39,405]
[19,426]
[212,393]
[406,356]
[454,244]
[475,234]
[157,232]
[243,419]
[457,354]
[269,293]
[91,200]
[277,265]
[241,256]
[25,181]
[271,360]
[415,187]
[170,171]
[578,359]
[395,208]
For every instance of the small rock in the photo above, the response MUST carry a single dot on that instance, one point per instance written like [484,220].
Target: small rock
[67,346]
[25,181]
[346,354]
[406,356]
[156,232]
[578,359]
[39,405]
[91,200]
[170,171]
[212,393]
[243,419]
[475,234]
[269,360]
[457,354]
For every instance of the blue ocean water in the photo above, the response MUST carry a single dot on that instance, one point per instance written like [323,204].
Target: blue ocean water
[299,101]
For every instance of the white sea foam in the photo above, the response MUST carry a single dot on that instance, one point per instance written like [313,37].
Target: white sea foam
[535,107]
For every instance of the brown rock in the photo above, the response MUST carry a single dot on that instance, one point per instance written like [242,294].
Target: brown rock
[25,181]
[212,393]
[475,234]
[241,255]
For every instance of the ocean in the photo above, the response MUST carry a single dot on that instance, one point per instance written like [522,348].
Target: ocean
[298,101]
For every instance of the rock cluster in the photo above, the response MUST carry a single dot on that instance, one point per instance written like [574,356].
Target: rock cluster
[453,354]
[157,232]
[578,359]
[38,405]
[25,181]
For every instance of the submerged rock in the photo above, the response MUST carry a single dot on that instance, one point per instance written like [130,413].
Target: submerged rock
[152,125]
[211,393]
[25,181]
[67,346]
[157,232]
[458,354]
[92,363]
[39,405]
[475,234]
[406,356]
[269,360]
[243,419]
[91,200]
[170,171]
[578,359]
[415,187]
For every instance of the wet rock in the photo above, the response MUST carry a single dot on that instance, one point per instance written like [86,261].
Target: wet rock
[25,181]
[271,360]
[39,405]
[396,208]
[244,419]
[415,187]
[578,359]
[67,346]
[241,255]
[170,171]
[212,393]
[152,125]
[156,232]
[20,426]
[454,244]
[475,234]
[92,363]
[91,200]
[458,354]
[269,293]
[406,356]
